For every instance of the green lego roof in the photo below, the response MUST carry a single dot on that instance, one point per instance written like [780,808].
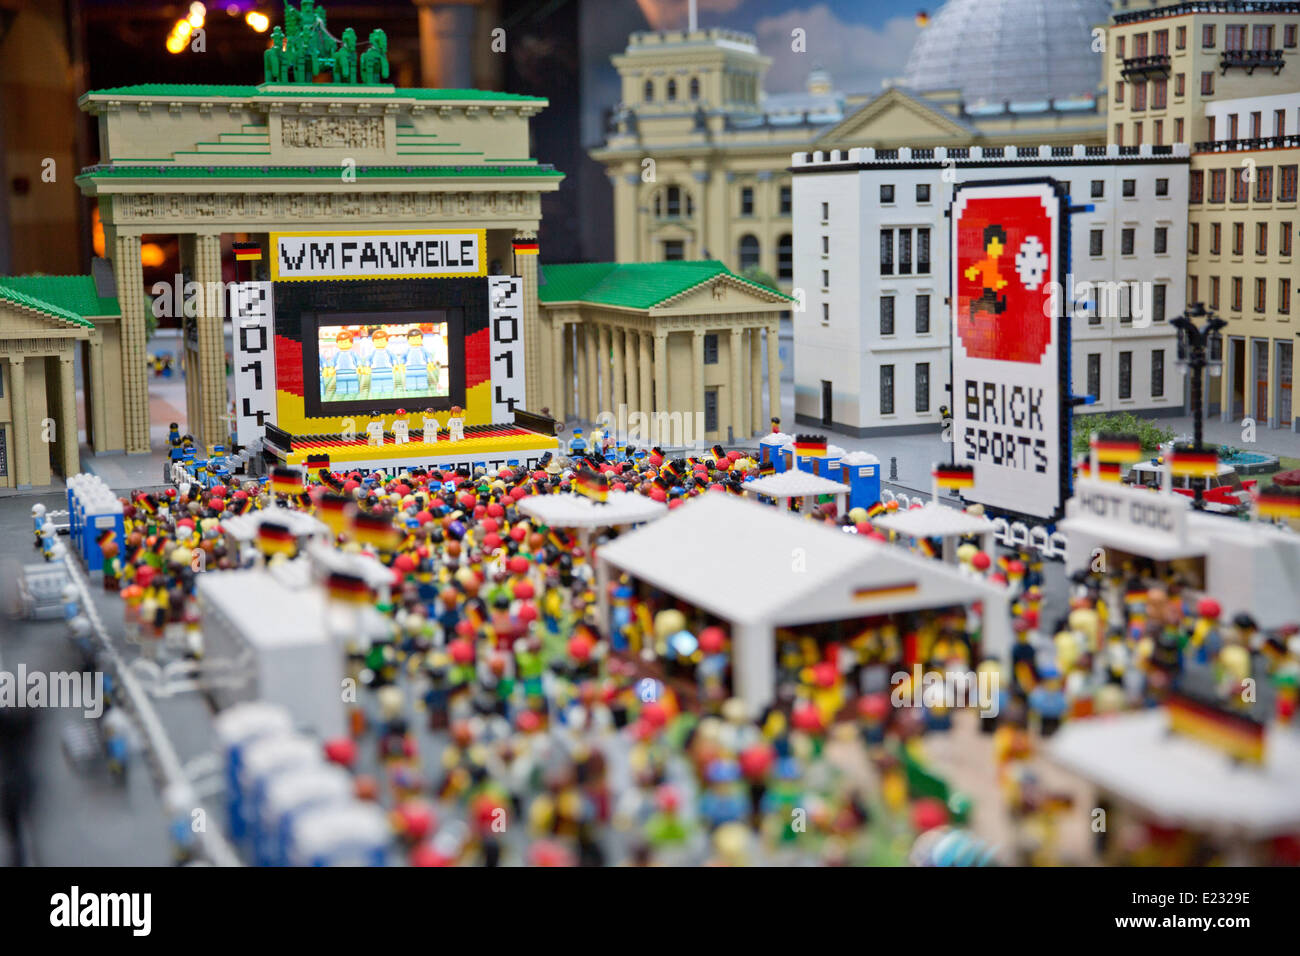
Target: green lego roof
[328,90]
[633,285]
[70,298]
[172,170]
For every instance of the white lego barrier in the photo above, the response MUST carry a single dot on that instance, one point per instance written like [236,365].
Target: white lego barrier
[164,762]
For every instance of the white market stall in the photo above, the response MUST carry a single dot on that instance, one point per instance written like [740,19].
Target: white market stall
[798,484]
[243,529]
[939,521]
[585,515]
[759,568]
[1248,566]
[580,512]
[1180,781]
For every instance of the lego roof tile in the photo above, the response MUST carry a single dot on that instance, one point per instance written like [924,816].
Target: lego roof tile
[67,298]
[75,294]
[319,90]
[635,285]
[179,171]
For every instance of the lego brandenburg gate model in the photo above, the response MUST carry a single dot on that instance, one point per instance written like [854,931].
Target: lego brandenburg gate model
[296,156]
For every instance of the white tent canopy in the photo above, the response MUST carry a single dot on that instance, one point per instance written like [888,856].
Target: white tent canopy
[243,528]
[795,484]
[577,511]
[760,568]
[1182,781]
[933,521]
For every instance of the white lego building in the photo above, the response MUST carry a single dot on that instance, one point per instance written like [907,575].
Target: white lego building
[871,264]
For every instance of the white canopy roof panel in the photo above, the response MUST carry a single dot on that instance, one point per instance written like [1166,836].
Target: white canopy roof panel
[749,563]
[577,511]
[794,484]
[933,521]
[1183,781]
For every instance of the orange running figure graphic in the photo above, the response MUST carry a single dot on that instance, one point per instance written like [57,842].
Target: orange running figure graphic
[986,272]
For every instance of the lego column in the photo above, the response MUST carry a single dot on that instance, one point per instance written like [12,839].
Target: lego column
[98,423]
[525,250]
[128,274]
[618,395]
[626,226]
[558,398]
[646,398]
[697,370]
[755,380]
[773,372]
[589,362]
[630,366]
[580,365]
[67,421]
[18,408]
[207,413]
[602,368]
[660,402]
[737,384]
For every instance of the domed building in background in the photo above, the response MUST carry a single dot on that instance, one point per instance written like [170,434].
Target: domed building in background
[1019,51]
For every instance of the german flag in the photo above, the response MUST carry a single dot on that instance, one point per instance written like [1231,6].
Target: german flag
[954,476]
[525,247]
[247,251]
[275,538]
[1233,733]
[376,530]
[766,468]
[333,512]
[1275,502]
[317,462]
[810,444]
[1120,449]
[925,546]
[1106,471]
[243,506]
[718,453]
[1194,462]
[347,588]
[592,485]
[286,481]
[877,509]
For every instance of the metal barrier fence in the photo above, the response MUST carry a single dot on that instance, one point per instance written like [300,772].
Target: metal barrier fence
[163,760]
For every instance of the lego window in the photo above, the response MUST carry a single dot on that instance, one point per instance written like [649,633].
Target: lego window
[922,192]
[1162,187]
[1098,189]
[671,94]
[749,252]
[649,91]
[886,193]
[1161,240]
[1158,373]
[695,87]
[785,257]
[367,360]
[1130,188]
[711,349]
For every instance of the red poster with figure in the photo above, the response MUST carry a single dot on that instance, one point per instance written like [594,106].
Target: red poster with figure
[1010,346]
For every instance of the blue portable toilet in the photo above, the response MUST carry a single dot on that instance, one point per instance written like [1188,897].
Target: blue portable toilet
[860,470]
[771,450]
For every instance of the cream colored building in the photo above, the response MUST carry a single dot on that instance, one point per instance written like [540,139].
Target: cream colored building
[1244,226]
[698,155]
[1166,63]
[689,346]
[212,163]
[44,321]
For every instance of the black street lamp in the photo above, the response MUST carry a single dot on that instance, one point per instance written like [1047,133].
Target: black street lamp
[1199,349]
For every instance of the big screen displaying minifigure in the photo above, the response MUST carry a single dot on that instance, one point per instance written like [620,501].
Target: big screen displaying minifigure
[384,362]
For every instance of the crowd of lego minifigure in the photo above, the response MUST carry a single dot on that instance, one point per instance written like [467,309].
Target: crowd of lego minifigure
[550,742]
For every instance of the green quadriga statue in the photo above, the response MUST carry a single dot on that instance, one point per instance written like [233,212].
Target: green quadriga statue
[304,49]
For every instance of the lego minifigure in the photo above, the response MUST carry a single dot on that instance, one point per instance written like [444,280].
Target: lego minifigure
[456,424]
